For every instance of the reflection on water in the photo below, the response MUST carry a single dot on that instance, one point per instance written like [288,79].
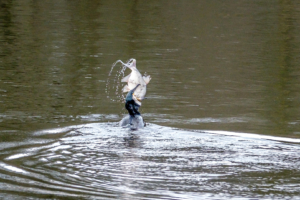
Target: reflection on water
[101,160]
[224,66]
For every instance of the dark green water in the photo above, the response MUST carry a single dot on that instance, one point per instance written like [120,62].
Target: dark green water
[215,65]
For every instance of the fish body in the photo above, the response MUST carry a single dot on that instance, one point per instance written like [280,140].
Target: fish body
[133,79]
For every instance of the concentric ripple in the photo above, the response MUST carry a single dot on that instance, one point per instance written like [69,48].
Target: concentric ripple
[103,161]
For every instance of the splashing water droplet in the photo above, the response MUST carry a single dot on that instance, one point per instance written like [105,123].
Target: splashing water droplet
[113,82]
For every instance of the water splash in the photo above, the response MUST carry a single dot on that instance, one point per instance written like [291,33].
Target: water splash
[113,84]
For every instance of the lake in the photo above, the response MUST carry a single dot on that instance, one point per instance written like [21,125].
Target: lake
[222,108]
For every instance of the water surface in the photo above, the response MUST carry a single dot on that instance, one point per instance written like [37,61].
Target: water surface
[220,66]
[104,161]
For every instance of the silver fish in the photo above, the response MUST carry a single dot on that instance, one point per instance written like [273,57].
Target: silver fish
[133,79]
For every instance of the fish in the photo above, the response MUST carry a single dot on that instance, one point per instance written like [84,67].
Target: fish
[133,79]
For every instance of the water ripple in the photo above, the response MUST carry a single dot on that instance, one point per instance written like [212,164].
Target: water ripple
[100,160]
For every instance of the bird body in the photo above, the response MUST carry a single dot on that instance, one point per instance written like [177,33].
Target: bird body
[134,119]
